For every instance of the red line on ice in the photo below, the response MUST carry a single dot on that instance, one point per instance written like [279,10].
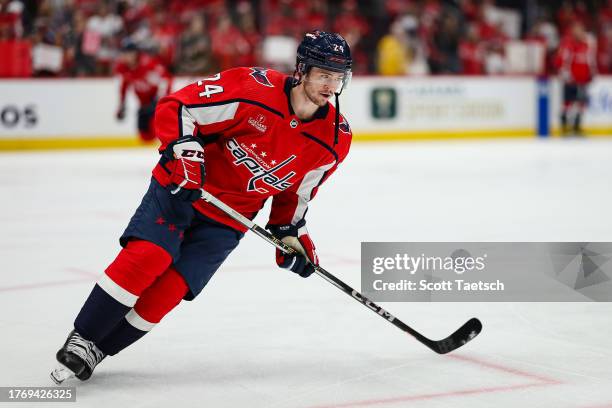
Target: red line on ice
[509,370]
[421,397]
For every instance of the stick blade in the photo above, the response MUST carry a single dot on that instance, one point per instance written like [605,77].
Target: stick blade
[463,335]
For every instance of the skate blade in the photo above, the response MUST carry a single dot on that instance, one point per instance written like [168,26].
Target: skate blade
[60,374]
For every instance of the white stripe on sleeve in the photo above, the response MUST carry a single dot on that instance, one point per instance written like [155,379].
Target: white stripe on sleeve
[207,115]
[187,122]
[309,182]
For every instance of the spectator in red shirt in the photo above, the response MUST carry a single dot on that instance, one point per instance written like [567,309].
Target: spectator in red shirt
[605,14]
[431,10]
[316,15]
[10,20]
[15,53]
[165,32]
[228,44]
[349,18]
[280,19]
[472,53]
[353,27]
[246,23]
[471,10]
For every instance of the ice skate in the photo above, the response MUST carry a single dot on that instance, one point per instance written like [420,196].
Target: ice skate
[78,357]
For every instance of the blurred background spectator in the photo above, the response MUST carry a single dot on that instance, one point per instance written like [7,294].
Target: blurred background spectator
[194,53]
[394,51]
[392,37]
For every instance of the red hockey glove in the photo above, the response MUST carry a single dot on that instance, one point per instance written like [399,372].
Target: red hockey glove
[186,167]
[298,239]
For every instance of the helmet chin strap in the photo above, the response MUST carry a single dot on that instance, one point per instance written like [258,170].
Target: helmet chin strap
[337,125]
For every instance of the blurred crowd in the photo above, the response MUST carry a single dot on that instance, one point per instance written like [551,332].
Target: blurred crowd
[394,37]
[474,37]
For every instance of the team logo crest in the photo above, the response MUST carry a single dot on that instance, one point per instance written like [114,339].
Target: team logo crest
[261,76]
[293,123]
[258,123]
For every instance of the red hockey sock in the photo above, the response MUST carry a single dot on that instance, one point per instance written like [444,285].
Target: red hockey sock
[154,303]
[162,296]
[137,266]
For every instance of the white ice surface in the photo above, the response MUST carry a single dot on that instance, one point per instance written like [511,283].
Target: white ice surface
[262,337]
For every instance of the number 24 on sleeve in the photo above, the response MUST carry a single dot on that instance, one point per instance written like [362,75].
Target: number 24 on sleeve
[210,89]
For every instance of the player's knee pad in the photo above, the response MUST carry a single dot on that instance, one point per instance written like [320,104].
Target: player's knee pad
[135,268]
[158,299]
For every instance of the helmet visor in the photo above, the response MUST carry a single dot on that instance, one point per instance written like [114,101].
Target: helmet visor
[336,81]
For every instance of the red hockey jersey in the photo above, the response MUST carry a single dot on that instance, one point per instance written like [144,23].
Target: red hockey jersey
[256,147]
[575,60]
[149,79]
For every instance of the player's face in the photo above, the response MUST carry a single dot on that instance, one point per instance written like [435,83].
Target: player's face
[320,85]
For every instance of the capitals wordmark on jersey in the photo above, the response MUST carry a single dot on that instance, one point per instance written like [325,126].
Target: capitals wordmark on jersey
[266,175]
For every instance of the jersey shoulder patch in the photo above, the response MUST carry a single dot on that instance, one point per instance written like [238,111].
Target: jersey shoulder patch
[344,126]
[261,76]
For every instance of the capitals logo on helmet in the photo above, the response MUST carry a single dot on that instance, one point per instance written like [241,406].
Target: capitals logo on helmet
[323,50]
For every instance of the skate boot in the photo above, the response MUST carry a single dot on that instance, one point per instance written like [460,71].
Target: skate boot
[77,358]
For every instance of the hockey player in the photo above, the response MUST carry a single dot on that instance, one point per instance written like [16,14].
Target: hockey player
[149,79]
[575,60]
[244,135]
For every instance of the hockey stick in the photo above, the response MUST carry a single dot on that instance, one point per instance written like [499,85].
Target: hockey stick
[460,337]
